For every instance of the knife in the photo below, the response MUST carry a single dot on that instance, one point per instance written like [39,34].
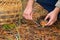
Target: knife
[36,23]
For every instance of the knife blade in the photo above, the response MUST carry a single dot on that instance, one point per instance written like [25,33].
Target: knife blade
[36,23]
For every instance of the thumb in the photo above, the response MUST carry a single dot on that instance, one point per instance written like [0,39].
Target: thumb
[46,17]
[31,15]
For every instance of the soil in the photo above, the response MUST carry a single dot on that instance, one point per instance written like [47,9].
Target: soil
[30,31]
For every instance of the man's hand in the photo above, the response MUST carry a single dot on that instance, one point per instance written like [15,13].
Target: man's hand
[28,10]
[28,13]
[52,18]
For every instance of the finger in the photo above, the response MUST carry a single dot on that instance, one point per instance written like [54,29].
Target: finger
[31,16]
[25,16]
[49,22]
[28,17]
[52,22]
[46,17]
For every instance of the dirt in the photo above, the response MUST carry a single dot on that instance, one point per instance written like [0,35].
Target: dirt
[30,31]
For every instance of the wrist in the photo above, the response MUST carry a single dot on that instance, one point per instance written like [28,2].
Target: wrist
[30,3]
[29,7]
[56,10]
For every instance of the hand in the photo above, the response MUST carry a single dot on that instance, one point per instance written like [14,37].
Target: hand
[28,13]
[52,18]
